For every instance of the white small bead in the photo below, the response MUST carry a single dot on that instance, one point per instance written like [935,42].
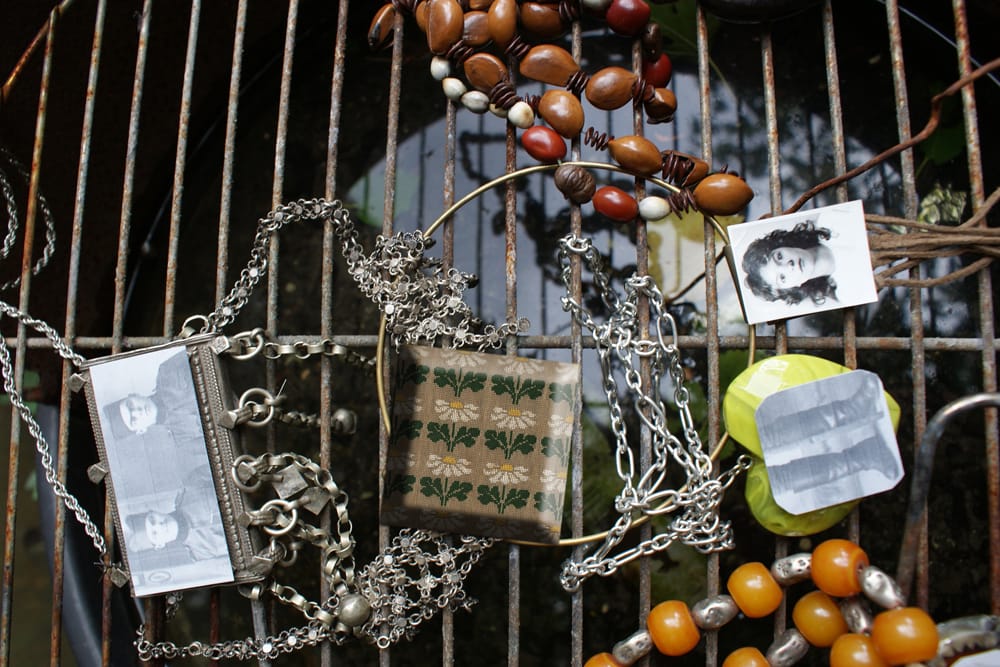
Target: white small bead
[497,111]
[520,115]
[653,208]
[440,68]
[453,88]
[476,101]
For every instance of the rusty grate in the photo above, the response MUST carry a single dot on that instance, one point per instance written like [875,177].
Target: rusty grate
[159,132]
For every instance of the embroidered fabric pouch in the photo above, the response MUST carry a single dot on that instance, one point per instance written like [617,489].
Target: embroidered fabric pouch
[480,443]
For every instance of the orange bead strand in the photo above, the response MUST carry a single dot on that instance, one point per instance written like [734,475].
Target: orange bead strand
[755,591]
[672,629]
[905,635]
[853,650]
[818,618]
[748,656]
[602,660]
[836,565]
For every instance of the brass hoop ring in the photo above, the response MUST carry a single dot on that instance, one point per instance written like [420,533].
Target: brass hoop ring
[489,185]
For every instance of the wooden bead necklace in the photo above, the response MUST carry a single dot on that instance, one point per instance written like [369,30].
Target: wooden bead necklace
[458,33]
[834,616]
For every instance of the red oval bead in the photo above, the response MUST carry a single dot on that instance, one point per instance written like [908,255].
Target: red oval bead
[543,143]
[658,72]
[627,17]
[615,203]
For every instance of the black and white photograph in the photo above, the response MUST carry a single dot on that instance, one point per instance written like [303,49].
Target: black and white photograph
[803,263]
[828,442]
[170,521]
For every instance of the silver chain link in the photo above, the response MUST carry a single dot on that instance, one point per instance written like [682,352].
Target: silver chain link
[9,241]
[694,509]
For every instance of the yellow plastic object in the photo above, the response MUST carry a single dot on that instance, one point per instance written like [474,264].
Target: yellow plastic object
[768,514]
[771,375]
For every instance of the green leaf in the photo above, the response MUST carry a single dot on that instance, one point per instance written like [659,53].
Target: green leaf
[445,377]
[431,486]
[489,495]
[438,432]
[401,484]
[516,498]
[556,447]
[523,443]
[466,435]
[503,384]
[473,381]
[563,392]
[459,490]
[496,440]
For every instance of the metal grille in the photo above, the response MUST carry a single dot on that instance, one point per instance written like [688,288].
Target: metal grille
[156,130]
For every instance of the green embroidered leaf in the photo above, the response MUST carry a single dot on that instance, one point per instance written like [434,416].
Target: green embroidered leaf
[515,498]
[503,384]
[466,435]
[431,486]
[557,448]
[517,388]
[497,440]
[531,389]
[438,432]
[523,443]
[473,381]
[445,377]
[459,382]
[459,490]
[401,484]
[406,429]
[548,502]
[452,435]
[560,392]
[415,373]
[489,495]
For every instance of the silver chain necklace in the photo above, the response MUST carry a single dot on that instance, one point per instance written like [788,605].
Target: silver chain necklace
[419,572]
[694,508]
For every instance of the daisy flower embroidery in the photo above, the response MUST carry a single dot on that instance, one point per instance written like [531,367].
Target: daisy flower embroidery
[561,425]
[553,481]
[513,418]
[506,473]
[462,358]
[522,366]
[456,410]
[448,466]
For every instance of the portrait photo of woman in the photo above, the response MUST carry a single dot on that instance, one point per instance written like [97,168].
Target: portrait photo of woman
[803,263]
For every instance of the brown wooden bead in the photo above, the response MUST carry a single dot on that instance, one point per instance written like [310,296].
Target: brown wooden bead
[420,14]
[476,31]
[380,30]
[503,21]
[542,20]
[576,183]
[636,154]
[627,17]
[480,5]
[444,25]
[544,144]
[563,111]
[652,41]
[610,88]
[548,64]
[722,194]
[616,204]
[660,108]
[484,70]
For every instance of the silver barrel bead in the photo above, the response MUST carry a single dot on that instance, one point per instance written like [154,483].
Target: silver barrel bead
[714,612]
[792,569]
[787,649]
[881,589]
[856,615]
[632,648]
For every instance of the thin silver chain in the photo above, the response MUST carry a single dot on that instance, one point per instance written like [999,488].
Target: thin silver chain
[693,510]
[9,241]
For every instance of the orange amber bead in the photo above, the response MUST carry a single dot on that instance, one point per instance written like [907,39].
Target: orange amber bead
[602,660]
[748,656]
[836,565]
[672,629]
[818,618]
[905,635]
[853,650]
[755,591]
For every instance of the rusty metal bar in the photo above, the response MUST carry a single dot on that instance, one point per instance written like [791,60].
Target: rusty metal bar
[180,161]
[987,332]
[14,446]
[69,333]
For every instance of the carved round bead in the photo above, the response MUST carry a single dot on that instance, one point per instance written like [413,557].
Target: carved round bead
[787,649]
[615,203]
[881,589]
[672,629]
[521,115]
[610,88]
[818,618]
[476,101]
[856,615]
[636,154]
[632,648]
[755,591]
[905,635]
[544,144]
[855,650]
[453,88]
[562,111]
[722,194]
[714,612]
[602,660]
[658,72]
[748,656]
[440,68]
[653,208]
[791,569]
[575,183]
[354,610]
[627,17]
[836,566]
